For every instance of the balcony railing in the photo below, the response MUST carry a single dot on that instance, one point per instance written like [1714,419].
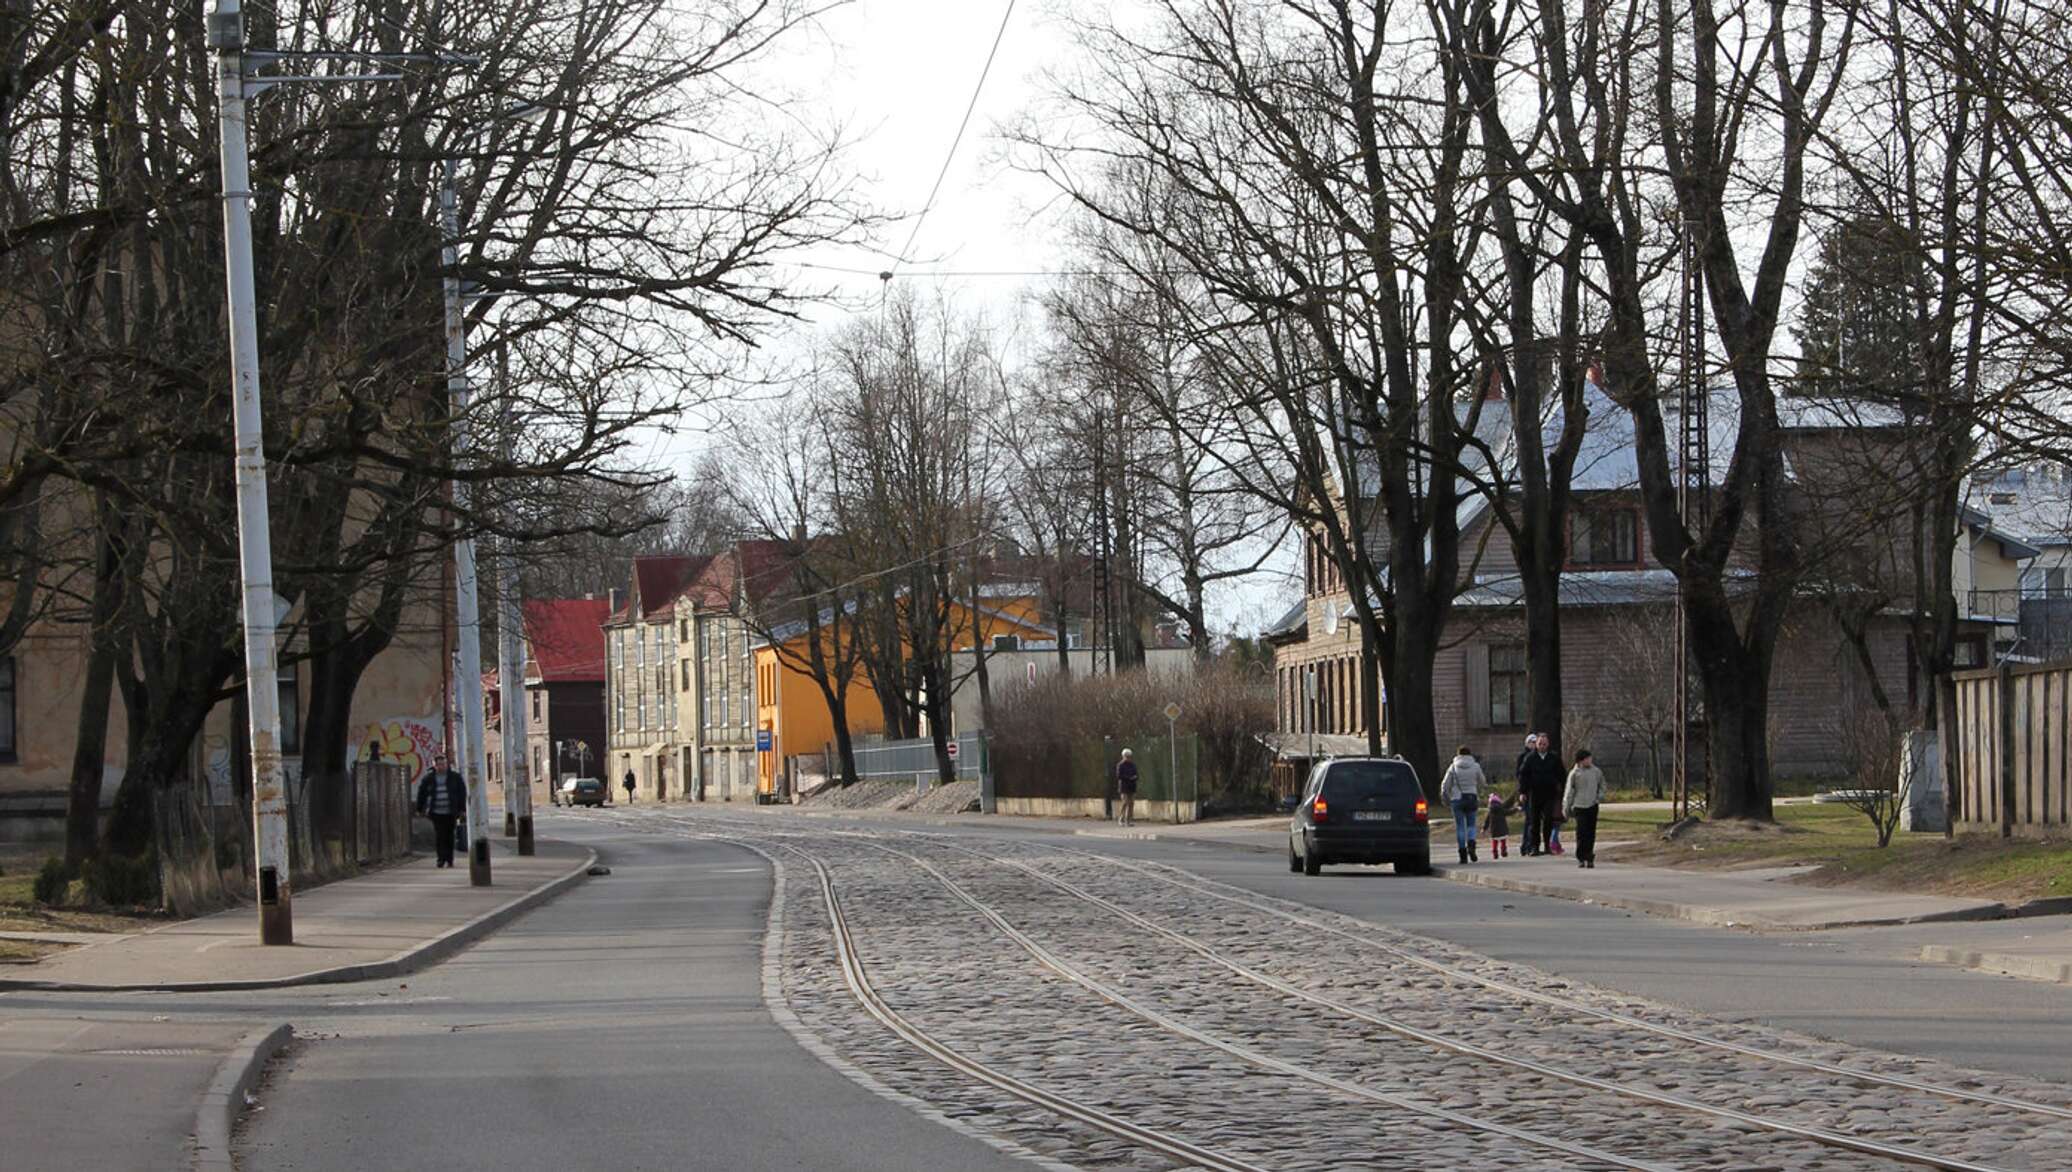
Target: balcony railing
[2004,606]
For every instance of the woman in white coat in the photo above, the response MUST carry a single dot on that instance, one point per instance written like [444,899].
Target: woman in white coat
[1462,791]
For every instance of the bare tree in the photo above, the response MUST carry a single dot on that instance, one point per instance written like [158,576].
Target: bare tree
[611,254]
[1318,191]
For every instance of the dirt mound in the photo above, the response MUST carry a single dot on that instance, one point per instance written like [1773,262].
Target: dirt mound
[896,795]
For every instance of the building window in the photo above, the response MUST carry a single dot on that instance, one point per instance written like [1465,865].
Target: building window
[535,707]
[7,690]
[1508,705]
[1604,537]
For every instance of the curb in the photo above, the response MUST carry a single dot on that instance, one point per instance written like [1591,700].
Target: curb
[216,1118]
[2002,963]
[409,960]
[1701,914]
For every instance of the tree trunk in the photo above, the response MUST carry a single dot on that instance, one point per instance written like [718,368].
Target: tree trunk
[90,752]
[1736,682]
[1543,651]
[845,745]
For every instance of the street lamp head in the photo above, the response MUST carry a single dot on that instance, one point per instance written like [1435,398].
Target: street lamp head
[226,27]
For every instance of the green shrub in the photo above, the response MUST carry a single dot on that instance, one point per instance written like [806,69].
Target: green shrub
[51,882]
[116,881]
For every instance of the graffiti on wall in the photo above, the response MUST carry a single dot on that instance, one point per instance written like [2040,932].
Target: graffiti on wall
[406,740]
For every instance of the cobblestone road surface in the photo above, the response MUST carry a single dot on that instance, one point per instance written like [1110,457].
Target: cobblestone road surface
[1283,1036]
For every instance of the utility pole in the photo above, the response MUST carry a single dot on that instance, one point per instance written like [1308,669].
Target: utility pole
[467,613]
[226,38]
[510,677]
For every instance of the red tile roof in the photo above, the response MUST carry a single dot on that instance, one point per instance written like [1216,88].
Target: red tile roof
[567,638]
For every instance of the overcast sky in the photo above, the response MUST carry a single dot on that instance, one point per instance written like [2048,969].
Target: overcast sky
[896,75]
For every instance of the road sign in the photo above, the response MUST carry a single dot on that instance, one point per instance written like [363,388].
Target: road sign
[953,750]
[762,740]
[1172,712]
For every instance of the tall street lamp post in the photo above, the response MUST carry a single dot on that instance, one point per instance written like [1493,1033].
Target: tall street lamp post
[226,39]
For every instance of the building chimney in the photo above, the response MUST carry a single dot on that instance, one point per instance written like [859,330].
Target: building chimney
[1494,392]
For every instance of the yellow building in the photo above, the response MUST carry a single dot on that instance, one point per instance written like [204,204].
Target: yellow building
[793,717]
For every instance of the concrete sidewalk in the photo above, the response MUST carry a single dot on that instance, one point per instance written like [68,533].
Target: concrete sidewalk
[1760,898]
[393,920]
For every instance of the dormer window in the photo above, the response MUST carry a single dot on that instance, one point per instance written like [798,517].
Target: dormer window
[1604,537]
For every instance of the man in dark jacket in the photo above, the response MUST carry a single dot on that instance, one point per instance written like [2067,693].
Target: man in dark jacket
[442,796]
[1540,778]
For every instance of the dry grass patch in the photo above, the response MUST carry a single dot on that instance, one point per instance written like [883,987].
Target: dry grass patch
[1842,844]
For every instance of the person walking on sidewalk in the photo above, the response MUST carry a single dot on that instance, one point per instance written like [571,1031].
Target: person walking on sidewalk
[1126,788]
[1498,828]
[1461,789]
[1579,800]
[1539,781]
[441,796]
[628,783]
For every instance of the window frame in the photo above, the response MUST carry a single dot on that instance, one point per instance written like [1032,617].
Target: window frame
[1515,687]
[1588,521]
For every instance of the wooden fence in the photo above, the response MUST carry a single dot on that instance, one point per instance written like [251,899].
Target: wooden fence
[2011,733]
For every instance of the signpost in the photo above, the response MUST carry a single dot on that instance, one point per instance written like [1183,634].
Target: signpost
[762,740]
[1172,715]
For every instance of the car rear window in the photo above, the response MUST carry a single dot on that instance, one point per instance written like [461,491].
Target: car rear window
[1358,781]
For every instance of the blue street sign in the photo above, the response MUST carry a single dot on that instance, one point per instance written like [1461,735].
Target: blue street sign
[762,740]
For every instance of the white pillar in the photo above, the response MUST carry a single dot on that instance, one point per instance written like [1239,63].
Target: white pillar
[467,615]
[510,676]
[225,34]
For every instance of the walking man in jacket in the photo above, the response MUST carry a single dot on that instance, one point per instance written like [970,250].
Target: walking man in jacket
[1126,788]
[1539,778]
[441,796]
[1579,800]
[1461,790]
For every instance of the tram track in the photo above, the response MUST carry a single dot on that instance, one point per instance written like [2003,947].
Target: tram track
[1442,1042]
[856,977]
[1242,898]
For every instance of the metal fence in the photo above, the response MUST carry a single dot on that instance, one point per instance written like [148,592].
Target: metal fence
[381,811]
[915,759]
[1085,768]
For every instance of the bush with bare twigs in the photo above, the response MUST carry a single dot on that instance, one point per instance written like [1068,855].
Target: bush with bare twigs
[1224,708]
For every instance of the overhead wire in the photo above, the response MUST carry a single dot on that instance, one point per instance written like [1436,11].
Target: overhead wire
[999,35]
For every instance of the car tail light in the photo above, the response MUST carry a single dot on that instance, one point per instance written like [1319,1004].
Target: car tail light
[1423,812]
[1318,810]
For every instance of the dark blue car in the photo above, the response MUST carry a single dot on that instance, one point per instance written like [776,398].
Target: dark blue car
[1361,810]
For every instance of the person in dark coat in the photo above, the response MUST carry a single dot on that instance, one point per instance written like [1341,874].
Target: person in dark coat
[628,783]
[442,796]
[1126,788]
[1540,778]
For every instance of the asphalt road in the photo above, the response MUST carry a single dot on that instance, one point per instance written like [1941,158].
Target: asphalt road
[621,1026]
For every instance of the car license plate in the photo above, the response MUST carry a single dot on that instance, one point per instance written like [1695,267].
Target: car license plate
[1373,815]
